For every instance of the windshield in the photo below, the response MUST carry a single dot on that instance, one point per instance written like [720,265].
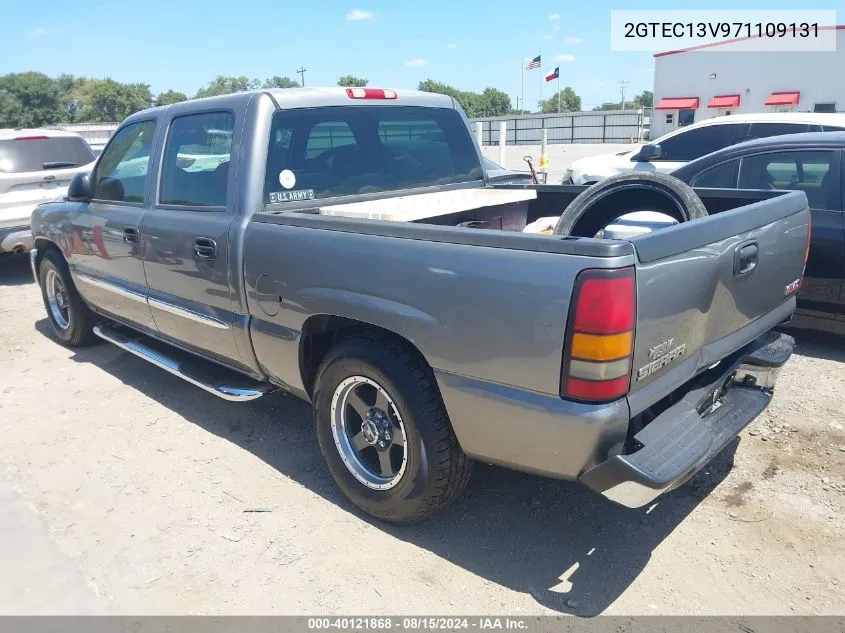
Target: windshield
[42,152]
[327,152]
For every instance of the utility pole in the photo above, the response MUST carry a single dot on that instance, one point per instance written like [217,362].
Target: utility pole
[301,73]
[622,85]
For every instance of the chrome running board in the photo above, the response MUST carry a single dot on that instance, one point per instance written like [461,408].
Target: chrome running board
[223,383]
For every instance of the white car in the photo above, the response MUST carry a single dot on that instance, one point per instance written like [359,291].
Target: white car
[35,166]
[676,149]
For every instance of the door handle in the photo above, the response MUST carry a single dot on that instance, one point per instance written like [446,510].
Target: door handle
[746,257]
[205,248]
[130,235]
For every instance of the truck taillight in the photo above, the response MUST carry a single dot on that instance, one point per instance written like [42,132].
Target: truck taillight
[370,93]
[600,336]
[31,138]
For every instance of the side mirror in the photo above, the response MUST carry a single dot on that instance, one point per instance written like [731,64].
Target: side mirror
[79,189]
[649,152]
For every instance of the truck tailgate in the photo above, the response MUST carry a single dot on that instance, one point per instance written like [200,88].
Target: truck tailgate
[706,288]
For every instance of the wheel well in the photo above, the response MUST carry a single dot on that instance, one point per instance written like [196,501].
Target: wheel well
[322,332]
[43,245]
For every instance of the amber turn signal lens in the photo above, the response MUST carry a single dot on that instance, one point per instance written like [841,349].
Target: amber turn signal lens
[600,347]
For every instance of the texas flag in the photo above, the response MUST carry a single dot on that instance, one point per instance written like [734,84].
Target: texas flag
[555,74]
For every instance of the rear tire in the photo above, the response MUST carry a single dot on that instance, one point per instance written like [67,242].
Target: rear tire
[396,392]
[70,317]
[596,207]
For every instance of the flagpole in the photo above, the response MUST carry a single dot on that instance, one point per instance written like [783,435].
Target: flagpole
[522,107]
[558,92]
[542,79]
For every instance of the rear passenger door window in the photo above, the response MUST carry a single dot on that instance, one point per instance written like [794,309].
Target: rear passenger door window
[195,168]
[811,171]
[121,173]
[721,176]
[698,142]
[762,130]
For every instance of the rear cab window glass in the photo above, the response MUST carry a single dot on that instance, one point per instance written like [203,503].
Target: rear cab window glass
[38,153]
[195,168]
[121,173]
[344,151]
[814,172]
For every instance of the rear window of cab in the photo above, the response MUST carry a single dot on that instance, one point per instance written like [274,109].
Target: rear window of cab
[345,151]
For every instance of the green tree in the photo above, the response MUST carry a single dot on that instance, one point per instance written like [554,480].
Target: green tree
[169,97]
[644,100]
[29,99]
[11,110]
[569,102]
[280,82]
[351,81]
[106,100]
[490,102]
[222,85]
[494,102]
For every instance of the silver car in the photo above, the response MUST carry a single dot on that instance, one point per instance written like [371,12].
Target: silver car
[36,166]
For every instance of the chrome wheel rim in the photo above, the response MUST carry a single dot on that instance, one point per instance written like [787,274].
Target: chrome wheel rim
[369,433]
[57,299]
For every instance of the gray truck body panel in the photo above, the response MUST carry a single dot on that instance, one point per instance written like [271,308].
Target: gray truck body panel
[486,309]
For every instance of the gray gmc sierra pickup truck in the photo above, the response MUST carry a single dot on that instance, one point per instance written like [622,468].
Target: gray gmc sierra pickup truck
[344,245]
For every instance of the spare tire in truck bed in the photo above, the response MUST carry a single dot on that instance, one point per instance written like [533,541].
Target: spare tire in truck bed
[596,207]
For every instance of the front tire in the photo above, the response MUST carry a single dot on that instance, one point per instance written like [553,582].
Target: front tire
[384,431]
[70,317]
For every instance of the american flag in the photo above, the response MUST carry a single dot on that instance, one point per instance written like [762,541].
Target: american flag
[534,63]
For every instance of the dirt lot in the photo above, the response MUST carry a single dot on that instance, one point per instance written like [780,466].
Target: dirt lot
[123,489]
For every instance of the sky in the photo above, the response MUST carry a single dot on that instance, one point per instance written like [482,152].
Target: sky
[470,44]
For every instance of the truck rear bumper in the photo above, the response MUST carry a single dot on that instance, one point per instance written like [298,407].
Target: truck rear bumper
[687,435]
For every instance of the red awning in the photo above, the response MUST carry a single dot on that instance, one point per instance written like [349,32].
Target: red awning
[783,98]
[677,103]
[724,101]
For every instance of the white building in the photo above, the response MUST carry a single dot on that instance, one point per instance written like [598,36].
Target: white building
[717,79]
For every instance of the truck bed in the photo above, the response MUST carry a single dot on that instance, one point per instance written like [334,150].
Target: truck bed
[499,207]
[442,288]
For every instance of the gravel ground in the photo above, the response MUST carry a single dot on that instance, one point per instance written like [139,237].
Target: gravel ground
[154,497]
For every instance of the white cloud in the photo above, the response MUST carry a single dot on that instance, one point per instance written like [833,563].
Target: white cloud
[359,14]
[566,57]
[451,46]
[554,16]
[574,40]
[40,31]
[556,27]
[417,63]
[547,37]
